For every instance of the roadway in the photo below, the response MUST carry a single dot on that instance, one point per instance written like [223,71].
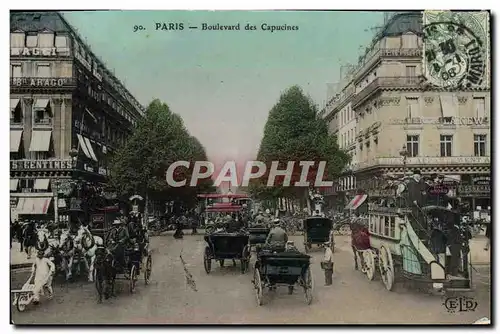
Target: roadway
[227,297]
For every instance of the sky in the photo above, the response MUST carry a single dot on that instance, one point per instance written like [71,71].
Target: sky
[223,83]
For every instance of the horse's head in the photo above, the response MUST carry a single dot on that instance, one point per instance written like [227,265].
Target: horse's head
[42,242]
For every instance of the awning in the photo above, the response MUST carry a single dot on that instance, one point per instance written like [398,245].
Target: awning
[356,202]
[83,145]
[448,105]
[14,103]
[13,184]
[40,141]
[15,140]
[41,184]
[90,148]
[33,205]
[41,104]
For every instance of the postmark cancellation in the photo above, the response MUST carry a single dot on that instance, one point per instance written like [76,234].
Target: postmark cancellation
[456,49]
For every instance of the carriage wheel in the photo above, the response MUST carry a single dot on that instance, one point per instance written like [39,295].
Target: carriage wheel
[22,301]
[221,263]
[99,285]
[369,258]
[258,287]
[308,286]
[133,279]
[207,262]
[148,269]
[386,267]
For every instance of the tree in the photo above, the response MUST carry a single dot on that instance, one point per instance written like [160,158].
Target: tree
[140,165]
[294,132]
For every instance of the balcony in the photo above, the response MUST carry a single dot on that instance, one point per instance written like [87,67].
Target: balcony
[36,83]
[42,122]
[424,161]
[382,83]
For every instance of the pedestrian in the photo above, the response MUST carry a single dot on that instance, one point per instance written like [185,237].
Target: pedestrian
[327,264]
[43,271]
[488,236]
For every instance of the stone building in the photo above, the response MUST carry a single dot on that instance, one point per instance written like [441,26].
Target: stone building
[68,113]
[402,124]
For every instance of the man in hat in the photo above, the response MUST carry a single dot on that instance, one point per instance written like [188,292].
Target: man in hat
[416,199]
[327,263]
[277,234]
[121,239]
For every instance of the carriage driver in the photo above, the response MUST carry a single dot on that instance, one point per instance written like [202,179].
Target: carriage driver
[277,234]
[121,240]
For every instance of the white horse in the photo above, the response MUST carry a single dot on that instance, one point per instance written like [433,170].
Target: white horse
[45,241]
[87,244]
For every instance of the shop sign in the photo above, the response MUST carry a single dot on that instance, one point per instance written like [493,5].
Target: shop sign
[42,82]
[45,52]
[438,190]
[83,61]
[481,180]
[381,192]
[474,189]
[88,168]
[434,160]
[55,164]
[13,202]
[75,204]
[441,121]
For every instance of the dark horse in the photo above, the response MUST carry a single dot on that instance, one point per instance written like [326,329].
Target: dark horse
[104,274]
[28,238]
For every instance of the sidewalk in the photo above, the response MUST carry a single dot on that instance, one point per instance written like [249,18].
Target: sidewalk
[478,254]
[18,259]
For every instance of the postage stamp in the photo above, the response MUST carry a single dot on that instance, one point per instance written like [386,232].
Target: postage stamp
[456,49]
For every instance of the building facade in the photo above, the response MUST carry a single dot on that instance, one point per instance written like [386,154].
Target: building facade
[68,114]
[402,124]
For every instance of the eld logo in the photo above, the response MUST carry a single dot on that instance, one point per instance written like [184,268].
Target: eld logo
[460,304]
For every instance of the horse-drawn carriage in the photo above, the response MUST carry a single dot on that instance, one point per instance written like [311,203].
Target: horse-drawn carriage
[226,246]
[282,267]
[137,258]
[423,241]
[317,231]
[257,235]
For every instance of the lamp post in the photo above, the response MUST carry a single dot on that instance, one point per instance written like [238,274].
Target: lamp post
[404,153]
[73,153]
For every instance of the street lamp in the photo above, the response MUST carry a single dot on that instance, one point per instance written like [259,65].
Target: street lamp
[404,153]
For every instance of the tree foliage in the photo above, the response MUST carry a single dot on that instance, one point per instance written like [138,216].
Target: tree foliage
[294,132]
[160,139]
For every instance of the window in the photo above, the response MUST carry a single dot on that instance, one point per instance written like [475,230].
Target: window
[479,145]
[61,42]
[46,40]
[386,225]
[479,107]
[412,107]
[43,71]
[446,142]
[16,71]
[393,227]
[17,39]
[32,41]
[412,145]
[411,71]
